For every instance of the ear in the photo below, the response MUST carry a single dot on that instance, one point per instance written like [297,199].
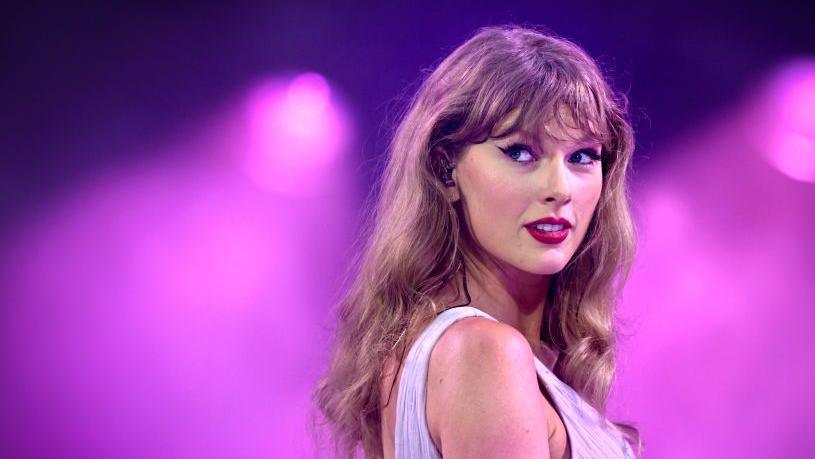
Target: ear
[452,192]
[445,171]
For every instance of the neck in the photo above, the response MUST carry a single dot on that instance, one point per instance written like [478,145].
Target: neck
[511,296]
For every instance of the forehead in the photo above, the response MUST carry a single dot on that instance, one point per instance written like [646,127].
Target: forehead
[561,126]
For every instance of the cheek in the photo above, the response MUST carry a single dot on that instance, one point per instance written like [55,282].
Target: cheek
[492,198]
[586,197]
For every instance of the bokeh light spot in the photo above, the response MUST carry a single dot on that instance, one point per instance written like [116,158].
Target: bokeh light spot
[791,125]
[297,131]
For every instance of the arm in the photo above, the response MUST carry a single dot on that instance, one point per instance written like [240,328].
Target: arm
[483,398]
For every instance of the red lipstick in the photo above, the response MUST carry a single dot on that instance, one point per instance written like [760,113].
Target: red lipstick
[549,230]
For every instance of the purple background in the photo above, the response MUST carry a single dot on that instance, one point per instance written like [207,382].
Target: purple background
[181,189]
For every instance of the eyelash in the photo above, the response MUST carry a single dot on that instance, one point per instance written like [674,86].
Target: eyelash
[516,148]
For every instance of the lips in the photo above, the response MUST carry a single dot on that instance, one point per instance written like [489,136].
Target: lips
[549,230]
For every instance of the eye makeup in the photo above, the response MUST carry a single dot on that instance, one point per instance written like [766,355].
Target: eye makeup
[522,153]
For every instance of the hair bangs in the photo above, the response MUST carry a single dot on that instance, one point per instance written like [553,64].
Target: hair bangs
[556,107]
[493,108]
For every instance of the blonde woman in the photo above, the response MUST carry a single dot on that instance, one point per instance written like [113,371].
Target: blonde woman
[480,322]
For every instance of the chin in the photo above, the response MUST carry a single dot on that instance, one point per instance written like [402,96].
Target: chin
[549,269]
[546,268]
[549,265]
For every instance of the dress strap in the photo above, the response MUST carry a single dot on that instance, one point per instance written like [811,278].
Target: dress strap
[412,437]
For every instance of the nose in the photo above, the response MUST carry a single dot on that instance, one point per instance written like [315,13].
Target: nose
[554,183]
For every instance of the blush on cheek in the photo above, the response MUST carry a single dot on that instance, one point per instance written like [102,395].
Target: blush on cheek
[490,215]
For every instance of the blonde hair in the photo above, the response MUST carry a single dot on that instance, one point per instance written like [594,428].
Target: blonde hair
[417,243]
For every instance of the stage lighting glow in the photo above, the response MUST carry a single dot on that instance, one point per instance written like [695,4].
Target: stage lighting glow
[308,95]
[297,131]
[791,144]
[720,295]
[665,207]
[794,155]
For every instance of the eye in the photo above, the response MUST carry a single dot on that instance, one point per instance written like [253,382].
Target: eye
[584,157]
[519,153]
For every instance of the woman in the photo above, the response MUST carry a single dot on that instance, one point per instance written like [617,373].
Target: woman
[480,322]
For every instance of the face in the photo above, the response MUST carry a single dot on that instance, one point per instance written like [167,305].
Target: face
[507,184]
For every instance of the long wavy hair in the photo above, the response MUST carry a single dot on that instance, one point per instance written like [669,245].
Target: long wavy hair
[417,241]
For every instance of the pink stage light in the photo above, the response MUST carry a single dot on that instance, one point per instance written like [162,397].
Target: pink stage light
[790,146]
[717,313]
[297,131]
[171,307]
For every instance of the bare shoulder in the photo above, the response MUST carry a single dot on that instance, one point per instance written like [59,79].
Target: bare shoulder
[483,398]
[481,334]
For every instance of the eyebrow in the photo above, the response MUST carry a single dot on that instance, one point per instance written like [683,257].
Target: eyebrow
[526,136]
